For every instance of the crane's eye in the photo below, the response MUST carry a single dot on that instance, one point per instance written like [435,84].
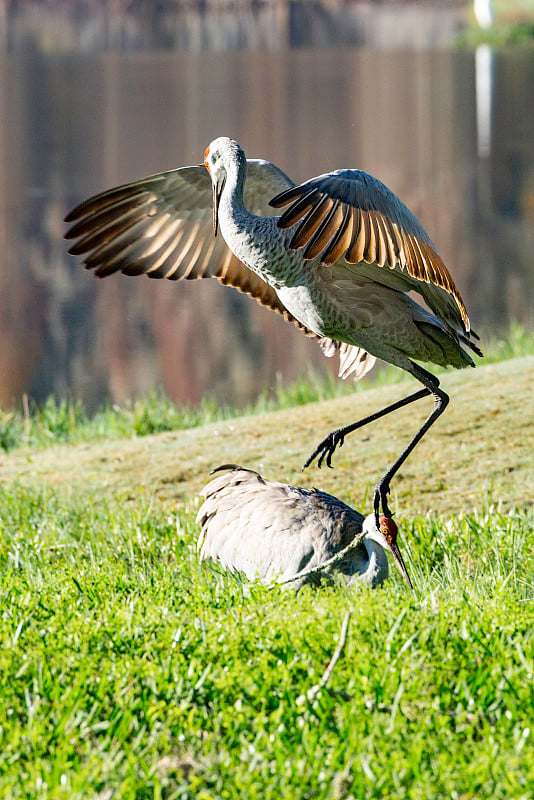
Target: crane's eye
[389,529]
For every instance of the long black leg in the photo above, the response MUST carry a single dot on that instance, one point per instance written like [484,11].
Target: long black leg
[441,400]
[336,438]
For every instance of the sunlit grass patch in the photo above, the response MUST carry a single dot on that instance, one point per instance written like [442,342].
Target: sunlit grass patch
[478,553]
[131,670]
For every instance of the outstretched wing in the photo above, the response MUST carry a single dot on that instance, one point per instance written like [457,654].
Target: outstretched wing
[161,226]
[350,215]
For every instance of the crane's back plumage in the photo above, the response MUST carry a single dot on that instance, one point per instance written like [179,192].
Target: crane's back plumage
[272,531]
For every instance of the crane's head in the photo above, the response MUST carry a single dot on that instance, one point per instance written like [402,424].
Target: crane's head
[386,536]
[221,157]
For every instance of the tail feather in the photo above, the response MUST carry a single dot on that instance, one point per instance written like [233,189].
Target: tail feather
[449,343]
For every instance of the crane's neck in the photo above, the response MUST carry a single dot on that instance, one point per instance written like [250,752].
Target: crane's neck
[234,185]
[255,240]
[378,568]
[265,249]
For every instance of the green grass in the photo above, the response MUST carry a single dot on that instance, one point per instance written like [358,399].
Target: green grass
[66,420]
[131,671]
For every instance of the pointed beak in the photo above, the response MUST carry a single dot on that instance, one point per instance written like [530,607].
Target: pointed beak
[389,531]
[217,191]
[399,561]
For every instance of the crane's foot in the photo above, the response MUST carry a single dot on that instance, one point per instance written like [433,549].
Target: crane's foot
[380,500]
[327,448]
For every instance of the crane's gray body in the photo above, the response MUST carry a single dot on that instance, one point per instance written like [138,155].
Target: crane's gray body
[161,226]
[272,531]
[360,304]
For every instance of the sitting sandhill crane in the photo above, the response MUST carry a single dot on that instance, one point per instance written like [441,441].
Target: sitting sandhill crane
[274,532]
[339,263]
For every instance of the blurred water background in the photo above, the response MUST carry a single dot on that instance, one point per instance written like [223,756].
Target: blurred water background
[96,94]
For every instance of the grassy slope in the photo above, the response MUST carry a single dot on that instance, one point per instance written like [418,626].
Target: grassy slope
[132,671]
[482,445]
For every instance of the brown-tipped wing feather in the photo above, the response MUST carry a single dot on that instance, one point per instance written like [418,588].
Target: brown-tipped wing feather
[161,226]
[351,214]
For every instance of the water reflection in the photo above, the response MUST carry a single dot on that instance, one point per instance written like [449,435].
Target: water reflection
[73,125]
[89,26]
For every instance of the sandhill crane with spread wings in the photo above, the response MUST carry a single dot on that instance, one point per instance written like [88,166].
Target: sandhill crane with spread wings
[274,532]
[339,262]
